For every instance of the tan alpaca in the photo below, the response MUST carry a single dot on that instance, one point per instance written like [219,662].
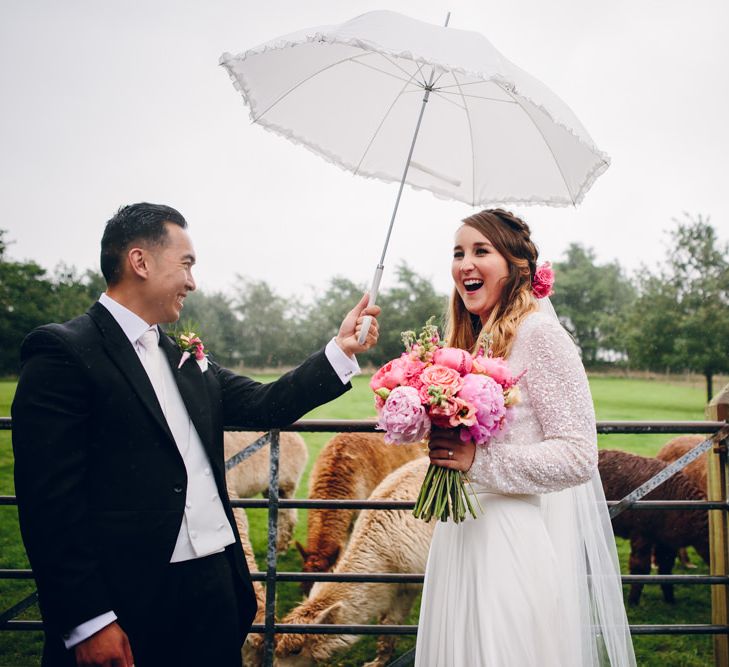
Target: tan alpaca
[382,541]
[249,478]
[349,466]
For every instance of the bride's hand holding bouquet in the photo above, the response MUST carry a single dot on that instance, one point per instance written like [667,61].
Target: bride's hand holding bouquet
[445,394]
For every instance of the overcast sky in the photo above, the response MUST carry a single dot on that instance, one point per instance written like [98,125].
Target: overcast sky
[106,103]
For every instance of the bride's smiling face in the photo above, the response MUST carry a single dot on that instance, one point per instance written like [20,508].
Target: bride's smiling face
[479,271]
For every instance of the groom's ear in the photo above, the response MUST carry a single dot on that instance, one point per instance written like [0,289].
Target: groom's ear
[138,261]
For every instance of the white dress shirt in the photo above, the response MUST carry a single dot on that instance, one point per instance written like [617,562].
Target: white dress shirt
[205,528]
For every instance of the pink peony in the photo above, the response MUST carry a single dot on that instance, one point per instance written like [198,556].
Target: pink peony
[403,371]
[487,396]
[413,368]
[454,358]
[494,367]
[391,375]
[403,417]
[543,281]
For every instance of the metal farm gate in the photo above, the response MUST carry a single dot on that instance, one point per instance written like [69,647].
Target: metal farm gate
[719,539]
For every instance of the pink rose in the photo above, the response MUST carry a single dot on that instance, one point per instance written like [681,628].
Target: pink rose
[443,378]
[543,281]
[454,358]
[403,417]
[494,367]
[199,351]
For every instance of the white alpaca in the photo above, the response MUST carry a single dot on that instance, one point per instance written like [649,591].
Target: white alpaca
[250,477]
[382,541]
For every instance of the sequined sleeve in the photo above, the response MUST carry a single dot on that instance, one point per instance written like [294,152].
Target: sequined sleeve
[560,397]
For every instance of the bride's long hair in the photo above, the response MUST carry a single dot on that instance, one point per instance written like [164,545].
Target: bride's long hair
[511,237]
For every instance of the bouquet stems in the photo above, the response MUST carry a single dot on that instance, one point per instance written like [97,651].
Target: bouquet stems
[443,495]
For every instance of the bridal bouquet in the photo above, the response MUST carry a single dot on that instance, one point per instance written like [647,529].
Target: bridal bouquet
[432,385]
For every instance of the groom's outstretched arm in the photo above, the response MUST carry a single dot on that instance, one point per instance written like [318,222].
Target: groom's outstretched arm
[311,384]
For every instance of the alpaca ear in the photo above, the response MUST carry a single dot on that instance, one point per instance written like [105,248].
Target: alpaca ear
[327,616]
[333,556]
[304,553]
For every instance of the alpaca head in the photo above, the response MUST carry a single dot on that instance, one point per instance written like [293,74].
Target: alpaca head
[316,562]
[305,650]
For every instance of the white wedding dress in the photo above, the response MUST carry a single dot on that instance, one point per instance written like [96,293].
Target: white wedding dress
[511,588]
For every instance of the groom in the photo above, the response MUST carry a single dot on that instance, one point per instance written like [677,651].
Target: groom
[119,462]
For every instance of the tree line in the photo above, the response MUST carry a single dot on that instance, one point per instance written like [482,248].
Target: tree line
[673,317]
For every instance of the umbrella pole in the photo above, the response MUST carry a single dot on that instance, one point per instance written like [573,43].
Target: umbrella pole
[375,287]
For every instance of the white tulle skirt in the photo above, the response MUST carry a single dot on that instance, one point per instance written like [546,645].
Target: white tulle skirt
[495,593]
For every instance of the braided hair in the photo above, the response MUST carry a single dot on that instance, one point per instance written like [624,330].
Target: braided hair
[510,236]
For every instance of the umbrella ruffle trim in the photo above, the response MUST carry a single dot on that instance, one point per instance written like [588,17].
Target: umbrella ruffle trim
[496,77]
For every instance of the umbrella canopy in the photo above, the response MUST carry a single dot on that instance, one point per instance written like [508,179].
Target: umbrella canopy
[353,93]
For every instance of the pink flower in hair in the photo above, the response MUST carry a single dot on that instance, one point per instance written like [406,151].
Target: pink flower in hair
[543,281]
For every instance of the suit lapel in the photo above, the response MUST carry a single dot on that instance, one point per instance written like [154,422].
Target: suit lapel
[122,353]
[193,389]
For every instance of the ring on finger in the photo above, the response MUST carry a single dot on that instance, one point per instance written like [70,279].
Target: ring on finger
[450,453]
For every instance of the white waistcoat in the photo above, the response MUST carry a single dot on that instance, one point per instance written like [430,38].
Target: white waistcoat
[205,528]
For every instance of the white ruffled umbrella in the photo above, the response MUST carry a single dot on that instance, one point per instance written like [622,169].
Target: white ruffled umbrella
[357,93]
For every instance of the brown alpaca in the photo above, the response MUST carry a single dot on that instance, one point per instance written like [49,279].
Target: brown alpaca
[249,478]
[672,451]
[349,466]
[664,530]
[382,541]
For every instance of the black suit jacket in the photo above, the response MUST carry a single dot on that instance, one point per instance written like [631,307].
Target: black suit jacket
[99,480]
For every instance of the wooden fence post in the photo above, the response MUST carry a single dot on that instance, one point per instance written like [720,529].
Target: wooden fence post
[718,410]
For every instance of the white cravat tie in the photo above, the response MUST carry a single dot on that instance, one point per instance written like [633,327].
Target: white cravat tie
[152,358]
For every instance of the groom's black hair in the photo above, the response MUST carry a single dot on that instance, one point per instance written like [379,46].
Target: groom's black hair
[136,222]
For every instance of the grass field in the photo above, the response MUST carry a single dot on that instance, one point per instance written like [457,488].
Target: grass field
[615,399]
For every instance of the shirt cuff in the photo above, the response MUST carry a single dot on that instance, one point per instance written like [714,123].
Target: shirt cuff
[85,630]
[344,366]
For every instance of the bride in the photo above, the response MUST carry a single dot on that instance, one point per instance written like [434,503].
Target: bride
[534,580]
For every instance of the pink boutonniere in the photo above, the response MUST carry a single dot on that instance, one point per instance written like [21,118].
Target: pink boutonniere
[191,345]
